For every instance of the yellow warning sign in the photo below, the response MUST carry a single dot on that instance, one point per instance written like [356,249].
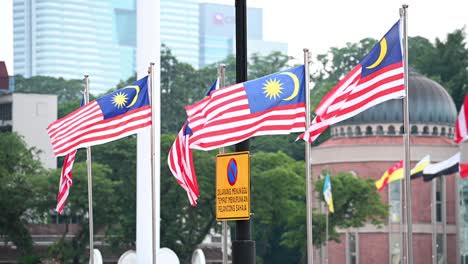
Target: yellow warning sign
[233,186]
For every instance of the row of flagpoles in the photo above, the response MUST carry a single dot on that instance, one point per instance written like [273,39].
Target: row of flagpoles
[235,113]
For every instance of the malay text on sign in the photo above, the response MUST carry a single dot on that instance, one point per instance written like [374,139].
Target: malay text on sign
[233,186]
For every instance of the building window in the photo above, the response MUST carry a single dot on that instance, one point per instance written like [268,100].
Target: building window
[369,131]
[402,130]
[394,198]
[442,131]
[357,131]
[391,130]
[395,250]
[349,132]
[450,132]
[414,130]
[379,130]
[342,133]
[440,248]
[438,199]
[425,130]
[435,131]
[352,248]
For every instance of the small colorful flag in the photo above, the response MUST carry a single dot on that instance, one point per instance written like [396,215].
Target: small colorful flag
[390,175]
[461,127]
[417,171]
[327,193]
[376,79]
[271,105]
[446,167]
[463,170]
[113,116]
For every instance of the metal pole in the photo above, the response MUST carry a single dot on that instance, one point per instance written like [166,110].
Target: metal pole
[434,220]
[221,74]
[444,217]
[457,218]
[326,237]
[90,183]
[310,248]
[155,161]
[406,136]
[243,248]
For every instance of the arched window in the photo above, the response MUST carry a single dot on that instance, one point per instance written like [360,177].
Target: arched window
[442,131]
[357,131]
[414,130]
[342,134]
[349,132]
[435,131]
[402,130]
[391,130]
[379,130]
[369,131]
[425,130]
[450,134]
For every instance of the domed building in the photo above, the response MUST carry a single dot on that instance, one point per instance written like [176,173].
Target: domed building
[370,143]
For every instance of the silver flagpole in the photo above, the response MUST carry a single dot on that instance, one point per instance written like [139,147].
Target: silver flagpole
[444,217]
[90,183]
[310,248]
[434,221]
[221,74]
[406,139]
[326,237]
[155,160]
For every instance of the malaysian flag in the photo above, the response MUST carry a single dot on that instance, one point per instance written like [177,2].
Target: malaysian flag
[271,105]
[180,159]
[66,177]
[113,116]
[379,77]
[461,127]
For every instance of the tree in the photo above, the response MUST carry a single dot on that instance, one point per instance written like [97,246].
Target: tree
[66,90]
[356,202]
[18,164]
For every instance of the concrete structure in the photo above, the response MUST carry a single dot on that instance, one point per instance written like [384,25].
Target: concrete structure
[217,33]
[29,115]
[369,144]
[69,38]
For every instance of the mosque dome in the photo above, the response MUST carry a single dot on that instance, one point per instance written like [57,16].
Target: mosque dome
[432,112]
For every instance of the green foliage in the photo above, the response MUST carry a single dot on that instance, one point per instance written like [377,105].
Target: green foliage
[66,90]
[18,164]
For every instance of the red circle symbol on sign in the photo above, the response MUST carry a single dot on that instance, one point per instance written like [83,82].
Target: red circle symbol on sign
[232,172]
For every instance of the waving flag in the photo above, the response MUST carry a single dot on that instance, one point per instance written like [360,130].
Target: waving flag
[393,174]
[446,167]
[418,169]
[376,79]
[327,193]
[66,177]
[113,116]
[180,159]
[271,105]
[461,127]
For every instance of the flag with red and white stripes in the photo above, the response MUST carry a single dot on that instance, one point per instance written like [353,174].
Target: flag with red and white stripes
[461,127]
[65,181]
[379,77]
[271,105]
[113,116]
[180,159]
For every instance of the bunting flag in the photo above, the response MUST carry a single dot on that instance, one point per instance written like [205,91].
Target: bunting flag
[271,105]
[379,77]
[463,170]
[327,193]
[417,171]
[113,116]
[446,167]
[393,174]
[66,177]
[180,159]
[461,127]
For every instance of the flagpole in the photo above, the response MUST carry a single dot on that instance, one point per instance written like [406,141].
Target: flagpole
[155,161]
[406,136]
[221,74]
[310,249]
[326,236]
[90,183]
[434,221]
[444,217]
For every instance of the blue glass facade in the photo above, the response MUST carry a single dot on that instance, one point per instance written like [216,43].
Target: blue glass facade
[70,38]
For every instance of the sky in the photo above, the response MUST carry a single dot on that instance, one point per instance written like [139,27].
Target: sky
[321,24]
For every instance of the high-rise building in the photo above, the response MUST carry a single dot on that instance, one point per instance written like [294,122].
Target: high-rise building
[70,38]
[179,29]
[217,33]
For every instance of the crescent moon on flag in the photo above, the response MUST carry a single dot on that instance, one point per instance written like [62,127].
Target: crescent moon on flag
[383,52]
[296,85]
[135,98]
